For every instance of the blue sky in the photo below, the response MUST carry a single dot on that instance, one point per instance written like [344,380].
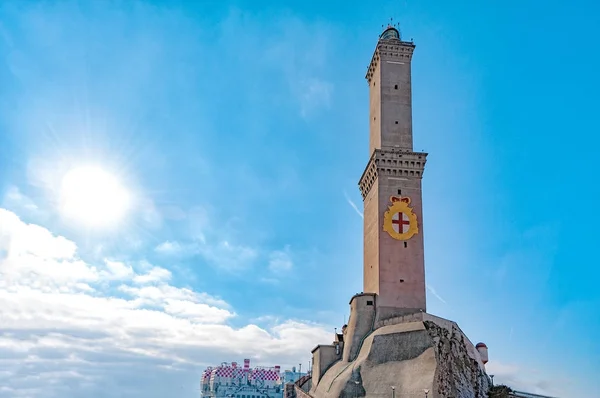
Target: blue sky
[240,131]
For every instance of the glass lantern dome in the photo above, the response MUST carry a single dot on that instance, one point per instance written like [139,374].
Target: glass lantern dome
[390,33]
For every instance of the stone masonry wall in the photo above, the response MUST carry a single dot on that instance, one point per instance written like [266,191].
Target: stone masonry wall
[415,317]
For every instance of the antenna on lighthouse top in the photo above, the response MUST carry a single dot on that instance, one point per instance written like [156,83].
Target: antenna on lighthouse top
[391,31]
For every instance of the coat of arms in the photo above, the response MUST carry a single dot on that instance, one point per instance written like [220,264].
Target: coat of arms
[399,220]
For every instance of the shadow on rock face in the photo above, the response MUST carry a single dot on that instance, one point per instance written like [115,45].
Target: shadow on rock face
[354,387]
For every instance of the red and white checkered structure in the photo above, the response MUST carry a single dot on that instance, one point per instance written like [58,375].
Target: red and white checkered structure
[231,375]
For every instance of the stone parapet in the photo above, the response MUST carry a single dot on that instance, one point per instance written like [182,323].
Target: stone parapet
[390,50]
[392,162]
[415,317]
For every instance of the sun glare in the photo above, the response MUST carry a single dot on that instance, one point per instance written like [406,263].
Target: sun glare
[91,196]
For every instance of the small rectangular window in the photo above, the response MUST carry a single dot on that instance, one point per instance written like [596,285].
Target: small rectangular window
[399,192]
[396,122]
[405,244]
[369,302]
[396,87]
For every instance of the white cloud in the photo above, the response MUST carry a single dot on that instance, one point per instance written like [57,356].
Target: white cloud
[280,261]
[196,312]
[68,330]
[170,248]
[29,239]
[118,270]
[156,274]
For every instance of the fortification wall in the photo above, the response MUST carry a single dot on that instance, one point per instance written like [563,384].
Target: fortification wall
[383,362]
[360,324]
[433,354]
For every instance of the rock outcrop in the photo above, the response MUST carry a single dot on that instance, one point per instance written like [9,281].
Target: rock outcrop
[457,374]
[430,355]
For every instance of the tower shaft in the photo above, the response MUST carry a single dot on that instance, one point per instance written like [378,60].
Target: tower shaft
[394,266]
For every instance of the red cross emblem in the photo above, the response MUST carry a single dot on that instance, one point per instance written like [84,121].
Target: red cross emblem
[400,222]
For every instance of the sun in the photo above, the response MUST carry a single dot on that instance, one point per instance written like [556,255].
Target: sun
[94,197]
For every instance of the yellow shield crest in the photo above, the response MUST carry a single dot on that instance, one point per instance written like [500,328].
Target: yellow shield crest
[399,221]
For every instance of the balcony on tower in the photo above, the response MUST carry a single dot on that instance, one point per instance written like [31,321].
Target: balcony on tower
[394,163]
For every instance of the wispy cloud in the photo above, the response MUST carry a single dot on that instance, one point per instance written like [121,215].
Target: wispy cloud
[228,256]
[117,270]
[154,275]
[432,291]
[211,241]
[351,203]
[280,261]
[300,51]
[315,94]
[524,379]
[14,198]
[216,244]
[269,281]
[169,248]
[222,254]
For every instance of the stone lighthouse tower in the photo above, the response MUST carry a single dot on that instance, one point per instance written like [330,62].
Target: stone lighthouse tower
[390,343]
[391,183]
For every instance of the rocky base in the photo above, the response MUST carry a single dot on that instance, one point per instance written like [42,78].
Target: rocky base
[432,354]
[457,374]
